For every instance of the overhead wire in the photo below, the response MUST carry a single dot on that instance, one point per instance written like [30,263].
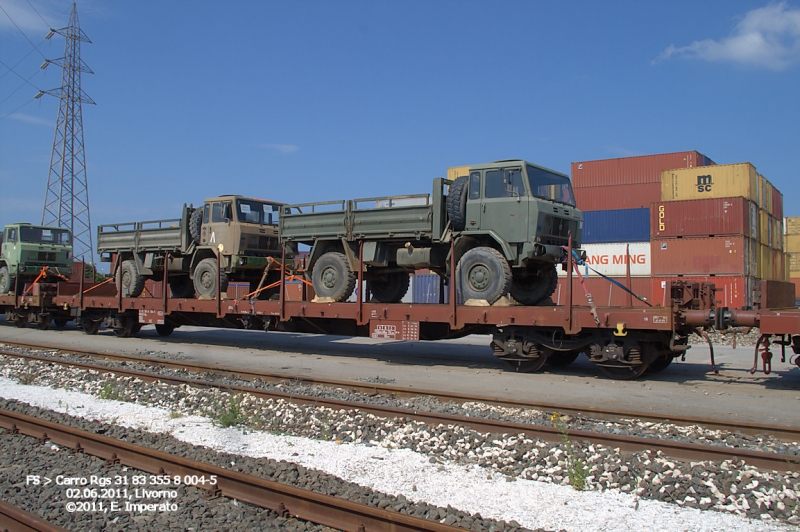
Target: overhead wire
[40,16]
[23,33]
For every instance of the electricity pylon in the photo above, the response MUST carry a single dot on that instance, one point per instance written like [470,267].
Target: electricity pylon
[66,202]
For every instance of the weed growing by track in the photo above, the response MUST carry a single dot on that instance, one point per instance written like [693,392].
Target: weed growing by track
[230,413]
[109,390]
[577,470]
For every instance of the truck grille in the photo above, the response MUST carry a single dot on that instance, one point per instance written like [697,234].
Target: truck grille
[554,226]
[47,256]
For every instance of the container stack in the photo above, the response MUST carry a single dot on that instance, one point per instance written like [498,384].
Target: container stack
[615,196]
[717,224]
[791,240]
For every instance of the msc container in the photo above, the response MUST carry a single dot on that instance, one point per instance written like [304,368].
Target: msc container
[610,260]
[732,291]
[721,181]
[702,217]
[791,225]
[632,170]
[457,171]
[604,293]
[722,255]
[617,197]
[777,203]
[623,225]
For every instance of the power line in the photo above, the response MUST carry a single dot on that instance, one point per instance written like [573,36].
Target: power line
[22,32]
[40,16]
[17,109]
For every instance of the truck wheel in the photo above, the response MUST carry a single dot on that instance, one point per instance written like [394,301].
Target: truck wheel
[483,273]
[130,282]
[457,203]
[532,285]
[195,224]
[205,278]
[389,287]
[181,286]
[6,280]
[332,277]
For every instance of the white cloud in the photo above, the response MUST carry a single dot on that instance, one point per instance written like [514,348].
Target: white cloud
[23,15]
[283,148]
[767,37]
[29,119]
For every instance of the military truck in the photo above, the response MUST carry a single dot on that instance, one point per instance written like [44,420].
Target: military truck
[508,223]
[240,233]
[27,249]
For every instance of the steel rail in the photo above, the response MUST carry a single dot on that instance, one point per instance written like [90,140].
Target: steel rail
[676,449]
[15,519]
[284,499]
[783,432]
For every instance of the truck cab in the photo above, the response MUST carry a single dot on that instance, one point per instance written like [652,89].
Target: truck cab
[27,249]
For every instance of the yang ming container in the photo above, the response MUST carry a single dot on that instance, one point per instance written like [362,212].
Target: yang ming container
[702,217]
[632,170]
[725,255]
[617,197]
[721,181]
[623,225]
[610,260]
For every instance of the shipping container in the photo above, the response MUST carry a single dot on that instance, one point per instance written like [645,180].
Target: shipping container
[767,264]
[721,181]
[610,260]
[794,264]
[765,193]
[764,229]
[623,225]
[702,217]
[427,287]
[791,243]
[457,171]
[791,226]
[796,282]
[617,197]
[732,291]
[632,170]
[776,240]
[777,203]
[604,293]
[722,255]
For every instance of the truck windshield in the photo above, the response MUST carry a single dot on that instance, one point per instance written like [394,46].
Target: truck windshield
[44,235]
[549,185]
[257,212]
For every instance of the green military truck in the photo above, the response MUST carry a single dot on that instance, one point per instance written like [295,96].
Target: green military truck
[508,222]
[241,233]
[27,249]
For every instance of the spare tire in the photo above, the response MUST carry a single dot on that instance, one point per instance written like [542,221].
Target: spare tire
[457,203]
[195,224]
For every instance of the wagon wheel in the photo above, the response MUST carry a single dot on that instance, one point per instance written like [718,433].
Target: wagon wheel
[164,329]
[562,359]
[660,364]
[525,366]
[623,373]
[91,326]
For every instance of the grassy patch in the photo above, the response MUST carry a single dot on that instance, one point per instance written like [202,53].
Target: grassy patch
[109,390]
[230,413]
[577,470]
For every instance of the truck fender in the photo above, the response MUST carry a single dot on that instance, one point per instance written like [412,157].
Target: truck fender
[141,269]
[321,247]
[463,243]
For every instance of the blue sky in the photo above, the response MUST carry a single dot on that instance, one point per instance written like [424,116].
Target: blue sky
[317,100]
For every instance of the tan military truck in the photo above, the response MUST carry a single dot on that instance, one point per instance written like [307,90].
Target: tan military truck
[241,234]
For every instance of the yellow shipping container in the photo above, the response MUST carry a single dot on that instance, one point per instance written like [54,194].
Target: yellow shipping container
[457,171]
[766,263]
[792,224]
[765,229]
[777,233]
[792,243]
[765,194]
[720,181]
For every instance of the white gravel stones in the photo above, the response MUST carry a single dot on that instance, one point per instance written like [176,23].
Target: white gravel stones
[401,471]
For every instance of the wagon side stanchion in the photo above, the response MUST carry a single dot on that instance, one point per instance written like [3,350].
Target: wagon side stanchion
[569,281]
[282,287]
[219,276]
[361,291]
[628,274]
[453,322]
[165,285]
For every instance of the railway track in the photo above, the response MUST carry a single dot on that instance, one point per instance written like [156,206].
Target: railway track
[673,448]
[283,499]
[15,519]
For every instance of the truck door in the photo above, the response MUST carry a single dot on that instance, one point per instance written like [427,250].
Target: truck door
[504,206]
[220,229]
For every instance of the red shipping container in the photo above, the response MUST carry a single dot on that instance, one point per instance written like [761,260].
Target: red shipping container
[723,255]
[701,217]
[796,282]
[734,291]
[604,293]
[777,203]
[632,170]
[617,197]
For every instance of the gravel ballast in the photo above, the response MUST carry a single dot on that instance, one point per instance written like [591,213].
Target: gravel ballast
[509,478]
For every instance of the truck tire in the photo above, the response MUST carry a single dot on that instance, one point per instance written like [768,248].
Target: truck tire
[205,278]
[196,224]
[532,285]
[483,273]
[181,286]
[332,277]
[6,280]
[390,287]
[130,282]
[457,203]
